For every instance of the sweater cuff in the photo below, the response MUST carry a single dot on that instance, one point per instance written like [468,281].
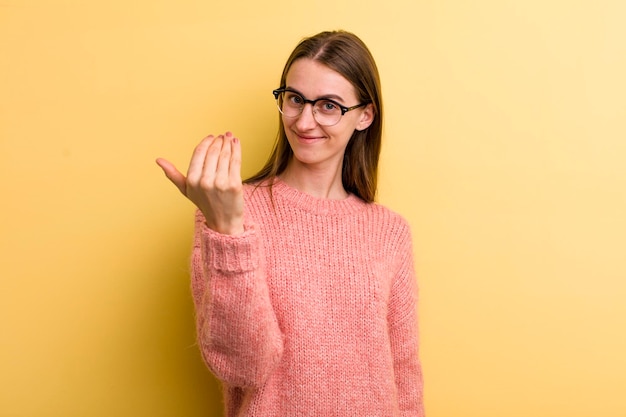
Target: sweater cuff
[231,253]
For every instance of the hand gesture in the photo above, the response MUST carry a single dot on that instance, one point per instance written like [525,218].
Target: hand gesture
[213,182]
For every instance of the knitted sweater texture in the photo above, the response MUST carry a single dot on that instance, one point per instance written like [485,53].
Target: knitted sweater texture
[312,310]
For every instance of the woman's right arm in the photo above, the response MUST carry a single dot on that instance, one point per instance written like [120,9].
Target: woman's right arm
[238,333]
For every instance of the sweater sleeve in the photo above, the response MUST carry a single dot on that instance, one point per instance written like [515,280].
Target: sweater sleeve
[237,330]
[403,330]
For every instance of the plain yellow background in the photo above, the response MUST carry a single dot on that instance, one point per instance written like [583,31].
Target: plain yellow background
[505,148]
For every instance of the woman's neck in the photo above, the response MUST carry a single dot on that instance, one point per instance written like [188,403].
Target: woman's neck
[321,183]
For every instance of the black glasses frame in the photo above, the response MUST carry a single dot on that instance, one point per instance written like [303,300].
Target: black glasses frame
[344,109]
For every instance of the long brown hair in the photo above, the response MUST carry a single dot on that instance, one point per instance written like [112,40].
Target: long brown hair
[346,54]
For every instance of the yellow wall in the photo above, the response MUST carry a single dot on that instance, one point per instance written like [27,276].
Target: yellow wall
[505,149]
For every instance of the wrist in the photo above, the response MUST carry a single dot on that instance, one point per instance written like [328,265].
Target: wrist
[232,228]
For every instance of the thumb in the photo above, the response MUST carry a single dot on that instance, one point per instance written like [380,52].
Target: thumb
[174,175]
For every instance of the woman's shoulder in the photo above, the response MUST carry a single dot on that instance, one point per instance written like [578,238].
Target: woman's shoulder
[382,220]
[389,215]
[258,197]
[256,189]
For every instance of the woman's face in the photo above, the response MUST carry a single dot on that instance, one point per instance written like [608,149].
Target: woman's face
[322,147]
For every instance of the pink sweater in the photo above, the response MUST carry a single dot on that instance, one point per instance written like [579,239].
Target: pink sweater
[312,310]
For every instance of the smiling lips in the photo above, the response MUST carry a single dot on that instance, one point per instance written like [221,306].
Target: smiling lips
[308,139]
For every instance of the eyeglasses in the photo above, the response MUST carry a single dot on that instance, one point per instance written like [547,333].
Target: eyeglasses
[326,112]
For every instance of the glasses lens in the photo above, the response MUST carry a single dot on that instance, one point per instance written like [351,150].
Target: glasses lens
[325,112]
[290,104]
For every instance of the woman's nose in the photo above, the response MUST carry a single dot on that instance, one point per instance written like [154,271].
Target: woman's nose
[306,120]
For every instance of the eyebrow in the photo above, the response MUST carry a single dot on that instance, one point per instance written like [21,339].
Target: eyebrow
[333,97]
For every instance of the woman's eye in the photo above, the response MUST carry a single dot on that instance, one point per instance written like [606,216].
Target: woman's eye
[294,99]
[329,106]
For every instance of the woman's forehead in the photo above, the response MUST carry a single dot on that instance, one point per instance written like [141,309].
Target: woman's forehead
[314,79]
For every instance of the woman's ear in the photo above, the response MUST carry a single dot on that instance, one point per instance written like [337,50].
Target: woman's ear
[367,117]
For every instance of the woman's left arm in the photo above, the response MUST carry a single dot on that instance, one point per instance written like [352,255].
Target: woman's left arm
[403,331]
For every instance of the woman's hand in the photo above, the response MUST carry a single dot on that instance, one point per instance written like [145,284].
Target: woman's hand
[213,182]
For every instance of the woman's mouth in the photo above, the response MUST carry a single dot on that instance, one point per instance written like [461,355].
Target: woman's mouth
[308,138]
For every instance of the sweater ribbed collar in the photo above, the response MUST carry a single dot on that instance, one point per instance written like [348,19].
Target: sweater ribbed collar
[320,206]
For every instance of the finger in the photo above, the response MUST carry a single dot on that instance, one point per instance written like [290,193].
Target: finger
[210,160]
[194,173]
[235,160]
[173,174]
[223,163]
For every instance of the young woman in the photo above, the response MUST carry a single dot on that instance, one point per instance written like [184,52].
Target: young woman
[304,288]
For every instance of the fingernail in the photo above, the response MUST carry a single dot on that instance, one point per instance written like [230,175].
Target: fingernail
[235,140]
[229,134]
